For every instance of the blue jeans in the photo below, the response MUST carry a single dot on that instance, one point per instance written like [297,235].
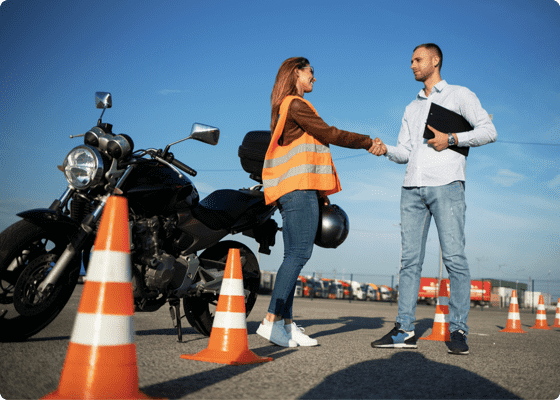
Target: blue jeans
[300,219]
[447,205]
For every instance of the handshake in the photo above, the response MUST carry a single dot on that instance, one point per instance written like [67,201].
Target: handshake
[378,147]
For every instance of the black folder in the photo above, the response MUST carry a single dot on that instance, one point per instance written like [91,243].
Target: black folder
[447,121]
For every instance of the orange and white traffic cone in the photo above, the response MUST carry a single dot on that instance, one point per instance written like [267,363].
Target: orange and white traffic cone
[513,321]
[228,340]
[557,318]
[440,329]
[540,322]
[101,358]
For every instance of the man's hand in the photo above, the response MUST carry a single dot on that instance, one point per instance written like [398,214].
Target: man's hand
[440,141]
[378,147]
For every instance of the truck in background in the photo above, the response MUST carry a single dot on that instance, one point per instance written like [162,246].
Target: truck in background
[429,287]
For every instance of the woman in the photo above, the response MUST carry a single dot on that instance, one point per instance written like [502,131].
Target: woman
[298,173]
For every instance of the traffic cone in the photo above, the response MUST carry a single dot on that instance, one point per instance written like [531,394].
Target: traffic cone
[557,318]
[101,358]
[540,322]
[228,340]
[513,321]
[440,330]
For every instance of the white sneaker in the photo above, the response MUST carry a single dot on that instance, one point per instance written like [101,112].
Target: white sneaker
[296,333]
[275,332]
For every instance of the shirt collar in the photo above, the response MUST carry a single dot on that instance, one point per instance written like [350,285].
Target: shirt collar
[438,87]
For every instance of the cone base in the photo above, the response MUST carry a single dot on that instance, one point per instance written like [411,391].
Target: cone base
[227,357]
[57,395]
[546,327]
[555,326]
[437,338]
[513,330]
[440,333]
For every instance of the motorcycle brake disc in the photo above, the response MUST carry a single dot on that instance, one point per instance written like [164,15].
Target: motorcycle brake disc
[27,300]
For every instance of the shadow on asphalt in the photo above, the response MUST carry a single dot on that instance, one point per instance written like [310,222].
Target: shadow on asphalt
[350,324]
[406,375]
[167,332]
[183,386]
[46,339]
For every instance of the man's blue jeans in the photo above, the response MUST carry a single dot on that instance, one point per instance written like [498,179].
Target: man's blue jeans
[300,219]
[447,205]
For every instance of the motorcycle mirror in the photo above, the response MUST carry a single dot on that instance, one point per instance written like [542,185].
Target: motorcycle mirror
[204,133]
[103,100]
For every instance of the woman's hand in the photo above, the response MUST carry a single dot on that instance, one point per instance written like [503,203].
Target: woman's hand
[378,147]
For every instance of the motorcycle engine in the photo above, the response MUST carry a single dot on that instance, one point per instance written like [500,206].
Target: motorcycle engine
[160,271]
[146,251]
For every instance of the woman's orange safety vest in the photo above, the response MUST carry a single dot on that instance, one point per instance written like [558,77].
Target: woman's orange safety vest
[304,164]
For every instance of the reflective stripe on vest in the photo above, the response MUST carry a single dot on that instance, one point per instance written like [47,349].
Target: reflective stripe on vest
[304,164]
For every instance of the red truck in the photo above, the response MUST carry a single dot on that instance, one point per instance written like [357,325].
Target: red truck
[480,291]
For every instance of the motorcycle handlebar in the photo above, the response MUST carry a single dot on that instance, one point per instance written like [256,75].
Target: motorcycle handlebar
[183,167]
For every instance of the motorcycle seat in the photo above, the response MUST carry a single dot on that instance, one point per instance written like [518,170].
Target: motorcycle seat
[222,208]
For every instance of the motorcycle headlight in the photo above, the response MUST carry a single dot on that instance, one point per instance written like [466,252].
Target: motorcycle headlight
[83,167]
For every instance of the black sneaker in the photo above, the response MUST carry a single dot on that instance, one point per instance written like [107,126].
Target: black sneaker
[397,338]
[458,344]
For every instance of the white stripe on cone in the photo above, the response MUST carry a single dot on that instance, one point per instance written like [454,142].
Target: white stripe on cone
[442,318]
[232,287]
[514,316]
[229,320]
[102,267]
[103,330]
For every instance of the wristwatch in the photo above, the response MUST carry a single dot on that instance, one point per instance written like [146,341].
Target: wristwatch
[451,140]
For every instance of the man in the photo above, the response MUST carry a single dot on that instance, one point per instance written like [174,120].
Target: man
[434,185]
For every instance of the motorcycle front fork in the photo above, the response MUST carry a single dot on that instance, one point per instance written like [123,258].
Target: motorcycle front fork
[86,229]
[74,247]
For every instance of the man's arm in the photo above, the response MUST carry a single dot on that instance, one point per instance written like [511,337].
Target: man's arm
[483,131]
[401,152]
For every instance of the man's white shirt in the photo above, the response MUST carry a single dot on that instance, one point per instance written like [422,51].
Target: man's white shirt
[426,166]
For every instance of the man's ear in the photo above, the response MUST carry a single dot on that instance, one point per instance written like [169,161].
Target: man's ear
[435,61]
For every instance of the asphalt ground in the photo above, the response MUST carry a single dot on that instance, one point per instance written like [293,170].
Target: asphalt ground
[343,366]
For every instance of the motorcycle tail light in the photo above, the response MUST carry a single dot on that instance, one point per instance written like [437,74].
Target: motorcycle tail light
[83,167]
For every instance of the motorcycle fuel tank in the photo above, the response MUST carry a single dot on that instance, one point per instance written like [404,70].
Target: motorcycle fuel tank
[154,189]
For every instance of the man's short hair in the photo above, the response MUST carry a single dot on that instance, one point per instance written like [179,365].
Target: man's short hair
[433,47]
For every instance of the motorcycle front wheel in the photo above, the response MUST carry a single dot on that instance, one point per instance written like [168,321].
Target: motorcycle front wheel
[199,311]
[27,255]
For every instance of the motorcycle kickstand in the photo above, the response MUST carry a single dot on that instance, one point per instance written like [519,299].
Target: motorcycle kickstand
[175,312]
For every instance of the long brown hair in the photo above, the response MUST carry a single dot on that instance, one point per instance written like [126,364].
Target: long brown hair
[285,85]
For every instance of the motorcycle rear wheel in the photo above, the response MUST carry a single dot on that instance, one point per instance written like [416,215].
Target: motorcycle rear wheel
[197,309]
[27,254]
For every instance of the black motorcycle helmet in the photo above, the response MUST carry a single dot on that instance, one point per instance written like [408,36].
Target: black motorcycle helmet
[334,226]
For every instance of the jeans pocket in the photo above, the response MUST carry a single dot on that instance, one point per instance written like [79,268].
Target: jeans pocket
[283,201]
[456,190]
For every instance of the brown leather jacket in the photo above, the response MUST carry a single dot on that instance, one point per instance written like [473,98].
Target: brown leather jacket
[302,119]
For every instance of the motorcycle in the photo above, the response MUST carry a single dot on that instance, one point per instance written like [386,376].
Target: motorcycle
[176,247]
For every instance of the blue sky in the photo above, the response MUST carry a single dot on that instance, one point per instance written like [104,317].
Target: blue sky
[169,64]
